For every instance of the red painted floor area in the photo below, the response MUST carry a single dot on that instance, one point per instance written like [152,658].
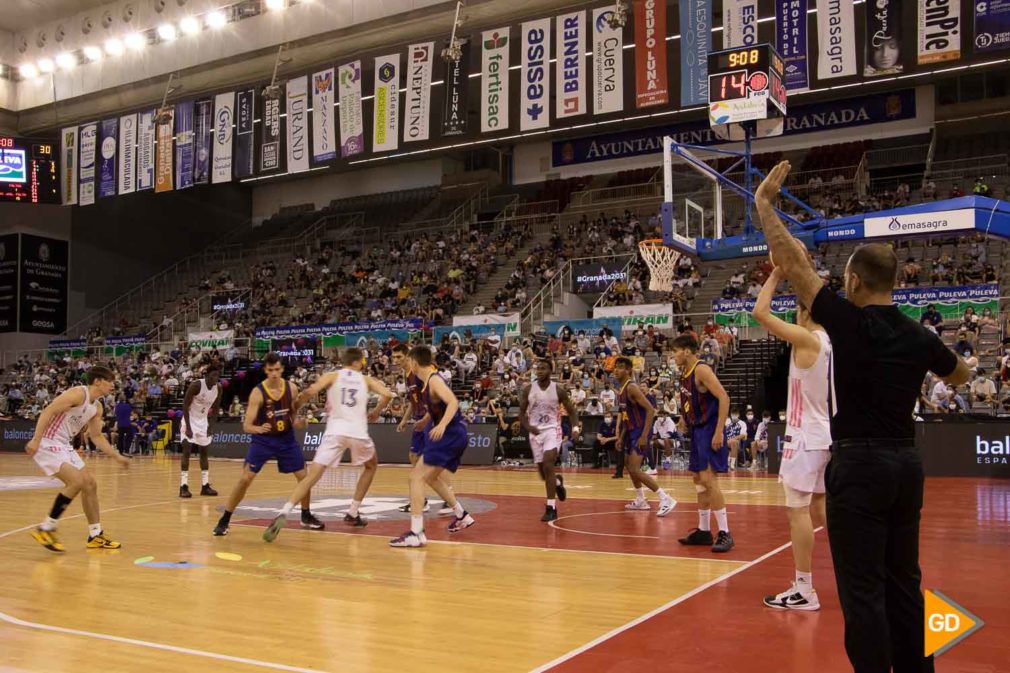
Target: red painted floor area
[965,547]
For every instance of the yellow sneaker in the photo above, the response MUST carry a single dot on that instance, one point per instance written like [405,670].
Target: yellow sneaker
[100,541]
[47,538]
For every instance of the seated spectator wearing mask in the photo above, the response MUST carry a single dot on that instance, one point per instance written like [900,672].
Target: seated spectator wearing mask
[595,407]
[664,432]
[982,390]
[932,318]
[606,442]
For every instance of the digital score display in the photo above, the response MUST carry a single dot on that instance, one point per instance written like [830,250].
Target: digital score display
[29,171]
[746,84]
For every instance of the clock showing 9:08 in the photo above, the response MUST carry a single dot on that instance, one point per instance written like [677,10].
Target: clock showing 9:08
[745,84]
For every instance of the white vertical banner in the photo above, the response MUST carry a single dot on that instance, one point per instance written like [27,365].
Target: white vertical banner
[570,67]
[324,134]
[145,152]
[224,123]
[417,109]
[494,81]
[352,130]
[608,63]
[739,22]
[68,157]
[836,39]
[386,104]
[535,76]
[939,30]
[89,150]
[298,126]
[127,154]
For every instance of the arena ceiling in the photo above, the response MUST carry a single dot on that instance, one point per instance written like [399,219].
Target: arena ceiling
[20,15]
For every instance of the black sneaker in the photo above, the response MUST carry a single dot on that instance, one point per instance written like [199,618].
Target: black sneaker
[723,542]
[355,520]
[562,491]
[618,476]
[221,529]
[207,490]
[550,514]
[310,521]
[184,492]
[406,508]
[697,538]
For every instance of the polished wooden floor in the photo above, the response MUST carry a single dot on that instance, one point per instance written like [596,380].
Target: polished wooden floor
[601,589]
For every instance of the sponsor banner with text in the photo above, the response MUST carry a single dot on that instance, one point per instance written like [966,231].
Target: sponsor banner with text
[164,130]
[9,269]
[651,83]
[127,154]
[695,43]
[454,119]
[570,65]
[108,144]
[270,143]
[68,155]
[739,23]
[184,145]
[245,134]
[417,107]
[324,130]
[494,80]
[791,41]
[145,152]
[883,39]
[939,31]
[596,278]
[211,341]
[660,316]
[224,121]
[836,39]
[608,63]
[992,25]
[535,76]
[592,327]
[89,152]
[203,138]
[352,130]
[919,223]
[386,104]
[44,288]
[297,95]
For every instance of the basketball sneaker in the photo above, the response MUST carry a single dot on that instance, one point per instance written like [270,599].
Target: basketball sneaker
[697,538]
[355,520]
[406,508]
[221,529]
[723,542]
[310,521]
[184,492]
[461,522]
[206,489]
[275,528]
[651,470]
[638,504]
[666,506]
[550,514]
[562,491]
[101,541]
[791,599]
[409,539]
[445,510]
[47,538]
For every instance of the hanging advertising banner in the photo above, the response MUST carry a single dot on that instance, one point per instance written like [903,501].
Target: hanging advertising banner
[224,120]
[211,341]
[352,129]
[68,154]
[298,124]
[836,39]
[417,112]
[883,39]
[245,141]
[494,81]
[386,103]
[89,150]
[660,316]
[992,25]
[791,41]
[165,124]
[9,270]
[608,63]
[127,154]
[44,286]
[454,120]
[270,145]
[324,133]
[651,86]
[145,152]
[203,139]
[939,31]
[695,43]
[535,76]
[184,145]
[108,142]
[570,65]
[739,23]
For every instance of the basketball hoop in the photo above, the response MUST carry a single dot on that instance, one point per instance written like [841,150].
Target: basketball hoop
[662,261]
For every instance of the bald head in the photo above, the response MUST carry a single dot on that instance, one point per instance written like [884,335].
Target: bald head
[876,265]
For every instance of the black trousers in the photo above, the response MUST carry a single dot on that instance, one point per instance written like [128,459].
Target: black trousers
[873,506]
[125,439]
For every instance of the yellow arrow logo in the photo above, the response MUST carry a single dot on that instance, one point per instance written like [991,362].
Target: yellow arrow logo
[947,623]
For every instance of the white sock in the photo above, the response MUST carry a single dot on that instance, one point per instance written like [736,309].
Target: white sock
[286,509]
[662,494]
[804,582]
[704,522]
[355,504]
[458,509]
[550,502]
[641,493]
[416,523]
[720,518]
[49,524]
[732,461]
[94,529]
[204,477]
[184,479]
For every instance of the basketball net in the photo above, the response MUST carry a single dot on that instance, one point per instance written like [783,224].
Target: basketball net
[662,261]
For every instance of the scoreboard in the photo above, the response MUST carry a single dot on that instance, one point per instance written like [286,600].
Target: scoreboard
[29,171]
[746,84]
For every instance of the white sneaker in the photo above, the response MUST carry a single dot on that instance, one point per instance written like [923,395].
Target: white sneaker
[409,539]
[651,470]
[791,599]
[637,504]
[446,510]
[666,506]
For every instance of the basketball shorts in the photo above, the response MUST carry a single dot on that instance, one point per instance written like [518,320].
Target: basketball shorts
[548,440]
[286,452]
[417,442]
[332,448]
[702,455]
[448,450]
[802,473]
[200,428]
[633,437]
[51,456]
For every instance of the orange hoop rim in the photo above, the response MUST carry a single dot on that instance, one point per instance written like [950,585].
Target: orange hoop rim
[652,243]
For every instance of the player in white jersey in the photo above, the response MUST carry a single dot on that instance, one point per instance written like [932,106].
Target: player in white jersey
[347,421]
[52,448]
[203,400]
[540,414]
[807,439]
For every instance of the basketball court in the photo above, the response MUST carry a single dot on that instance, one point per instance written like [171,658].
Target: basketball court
[600,589]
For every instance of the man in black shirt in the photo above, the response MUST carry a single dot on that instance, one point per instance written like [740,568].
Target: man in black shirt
[874,480]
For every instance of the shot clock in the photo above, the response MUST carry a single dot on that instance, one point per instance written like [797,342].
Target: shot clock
[746,85]
[29,170]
